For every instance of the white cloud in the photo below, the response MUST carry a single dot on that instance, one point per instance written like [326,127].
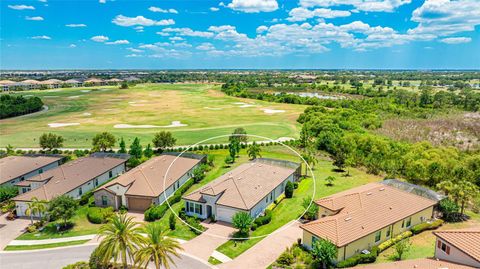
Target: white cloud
[214,9]
[456,40]
[76,25]
[205,46]
[43,1]
[253,6]
[175,38]
[135,50]
[302,14]
[445,17]
[72,46]
[99,38]
[261,29]
[21,7]
[362,5]
[118,42]
[186,32]
[37,18]
[102,1]
[41,37]
[133,55]
[161,10]
[140,20]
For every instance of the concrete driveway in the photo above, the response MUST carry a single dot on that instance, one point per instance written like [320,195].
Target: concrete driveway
[265,252]
[203,245]
[57,258]
[9,230]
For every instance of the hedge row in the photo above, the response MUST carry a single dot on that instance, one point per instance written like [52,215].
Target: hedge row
[98,215]
[157,212]
[390,242]
[426,226]
[359,258]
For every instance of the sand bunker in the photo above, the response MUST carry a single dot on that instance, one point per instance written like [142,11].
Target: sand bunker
[74,97]
[56,90]
[85,90]
[213,108]
[87,114]
[56,125]
[272,111]
[246,105]
[147,126]
[50,96]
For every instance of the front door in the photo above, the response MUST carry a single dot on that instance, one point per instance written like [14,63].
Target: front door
[209,211]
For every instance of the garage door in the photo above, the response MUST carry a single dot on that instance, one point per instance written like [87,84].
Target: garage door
[225,214]
[138,204]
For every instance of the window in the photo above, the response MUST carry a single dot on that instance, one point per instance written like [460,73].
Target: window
[388,231]
[409,222]
[190,207]
[271,196]
[22,178]
[378,236]
[443,247]
[110,174]
[96,181]
[403,223]
[80,191]
[198,209]
[40,170]
[104,200]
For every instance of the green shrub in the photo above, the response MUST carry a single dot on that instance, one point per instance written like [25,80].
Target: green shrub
[195,223]
[289,189]
[31,228]
[8,192]
[286,258]
[172,222]
[85,198]
[265,219]
[359,259]
[388,243]
[77,265]
[98,215]
[426,226]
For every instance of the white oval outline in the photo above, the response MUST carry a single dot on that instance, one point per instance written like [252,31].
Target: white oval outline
[284,227]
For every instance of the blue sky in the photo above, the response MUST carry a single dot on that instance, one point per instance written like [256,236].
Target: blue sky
[176,34]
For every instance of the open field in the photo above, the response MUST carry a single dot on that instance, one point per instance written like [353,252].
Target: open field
[192,112]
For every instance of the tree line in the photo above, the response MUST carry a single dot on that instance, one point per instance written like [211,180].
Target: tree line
[12,105]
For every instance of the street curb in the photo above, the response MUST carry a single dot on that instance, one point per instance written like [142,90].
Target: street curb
[48,249]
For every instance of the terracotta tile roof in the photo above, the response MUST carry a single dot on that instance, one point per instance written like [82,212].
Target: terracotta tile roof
[244,186]
[68,176]
[424,263]
[364,210]
[147,179]
[7,82]
[31,81]
[466,240]
[15,166]
[50,81]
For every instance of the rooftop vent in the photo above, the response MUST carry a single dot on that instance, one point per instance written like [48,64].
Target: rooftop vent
[382,189]
[369,193]
[349,218]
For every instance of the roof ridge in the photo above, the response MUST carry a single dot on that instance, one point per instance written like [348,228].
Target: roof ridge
[239,192]
[148,183]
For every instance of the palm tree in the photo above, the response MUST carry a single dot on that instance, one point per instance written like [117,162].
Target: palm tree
[35,207]
[158,248]
[121,239]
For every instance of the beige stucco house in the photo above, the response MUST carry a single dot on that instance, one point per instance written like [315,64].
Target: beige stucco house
[459,246]
[360,218]
[251,188]
[14,169]
[145,184]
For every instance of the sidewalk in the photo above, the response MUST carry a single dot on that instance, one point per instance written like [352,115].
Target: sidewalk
[9,230]
[51,241]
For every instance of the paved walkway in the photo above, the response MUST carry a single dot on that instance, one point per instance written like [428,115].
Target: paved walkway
[205,244]
[265,252]
[50,241]
[11,230]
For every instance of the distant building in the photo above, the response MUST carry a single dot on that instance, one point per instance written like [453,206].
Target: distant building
[459,246]
[51,83]
[250,188]
[95,82]
[14,169]
[74,83]
[73,178]
[6,85]
[360,218]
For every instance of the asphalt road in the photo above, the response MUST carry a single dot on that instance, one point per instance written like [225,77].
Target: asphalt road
[59,257]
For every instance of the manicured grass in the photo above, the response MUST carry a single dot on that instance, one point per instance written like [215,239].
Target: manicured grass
[81,227]
[290,209]
[204,108]
[54,245]
[423,244]
[213,261]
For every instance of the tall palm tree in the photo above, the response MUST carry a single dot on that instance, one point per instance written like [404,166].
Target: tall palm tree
[35,207]
[158,248]
[121,238]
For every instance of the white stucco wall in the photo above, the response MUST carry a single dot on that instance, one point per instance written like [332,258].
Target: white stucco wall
[456,255]
[264,203]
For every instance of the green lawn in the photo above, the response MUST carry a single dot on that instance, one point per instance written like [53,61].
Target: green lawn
[204,108]
[81,227]
[423,244]
[54,245]
[213,261]
[290,209]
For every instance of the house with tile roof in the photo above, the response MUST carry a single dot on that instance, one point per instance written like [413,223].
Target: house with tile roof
[146,184]
[251,188]
[73,178]
[460,246]
[14,169]
[360,218]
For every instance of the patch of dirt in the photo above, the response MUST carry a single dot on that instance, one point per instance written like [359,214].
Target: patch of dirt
[461,131]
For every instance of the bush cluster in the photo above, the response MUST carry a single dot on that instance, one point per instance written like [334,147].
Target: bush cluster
[394,240]
[98,215]
[426,226]
[265,219]
[359,259]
